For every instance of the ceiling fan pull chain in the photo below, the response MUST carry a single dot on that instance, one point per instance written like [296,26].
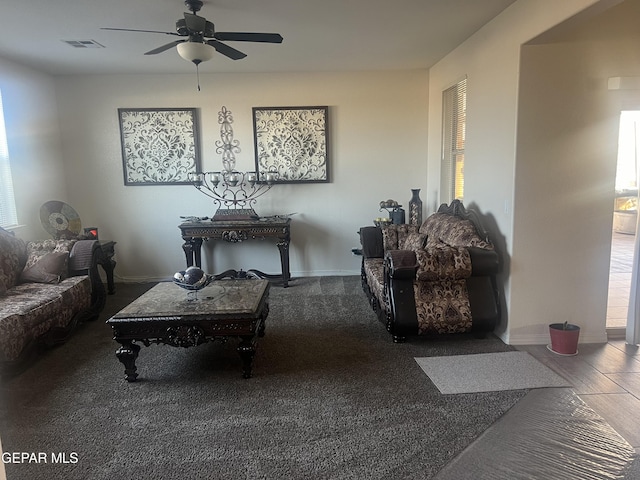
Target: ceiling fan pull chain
[198,76]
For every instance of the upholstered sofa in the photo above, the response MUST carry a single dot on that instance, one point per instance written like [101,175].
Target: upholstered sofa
[46,288]
[439,277]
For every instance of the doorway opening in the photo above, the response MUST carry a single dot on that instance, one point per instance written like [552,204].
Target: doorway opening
[625,221]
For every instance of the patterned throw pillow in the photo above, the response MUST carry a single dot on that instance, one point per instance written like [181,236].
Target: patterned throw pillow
[390,237]
[48,269]
[395,235]
[37,250]
[415,241]
[453,231]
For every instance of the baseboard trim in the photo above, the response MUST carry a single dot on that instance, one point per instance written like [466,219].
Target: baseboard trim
[294,275]
[616,333]
[543,339]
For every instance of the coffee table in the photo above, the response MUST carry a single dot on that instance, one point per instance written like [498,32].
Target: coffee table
[223,309]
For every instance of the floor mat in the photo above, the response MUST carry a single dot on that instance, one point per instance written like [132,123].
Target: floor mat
[489,372]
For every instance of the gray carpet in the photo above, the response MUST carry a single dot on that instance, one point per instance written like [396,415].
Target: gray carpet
[489,372]
[332,397]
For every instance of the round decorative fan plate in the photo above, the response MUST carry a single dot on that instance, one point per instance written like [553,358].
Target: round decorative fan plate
[60,219]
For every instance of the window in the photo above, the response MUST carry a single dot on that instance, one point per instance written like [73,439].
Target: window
[8,216]
[454,116]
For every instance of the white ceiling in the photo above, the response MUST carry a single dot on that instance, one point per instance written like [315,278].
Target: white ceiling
[319,35]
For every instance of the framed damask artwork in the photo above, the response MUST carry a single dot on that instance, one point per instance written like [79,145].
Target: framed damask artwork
[292,143]
[160,146]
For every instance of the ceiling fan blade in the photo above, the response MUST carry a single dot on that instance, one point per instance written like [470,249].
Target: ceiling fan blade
[164,47]
[248,37]
[226,50]
[195,23]
[133,30]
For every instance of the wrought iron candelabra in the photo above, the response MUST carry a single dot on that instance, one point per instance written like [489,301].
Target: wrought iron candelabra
[234,192]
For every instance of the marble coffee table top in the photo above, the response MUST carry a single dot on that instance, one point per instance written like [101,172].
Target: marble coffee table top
[222,297]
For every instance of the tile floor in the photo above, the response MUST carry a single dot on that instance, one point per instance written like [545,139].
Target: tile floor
[619,280]
[606,377]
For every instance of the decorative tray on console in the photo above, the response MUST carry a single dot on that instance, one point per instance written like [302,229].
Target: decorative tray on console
[235,214]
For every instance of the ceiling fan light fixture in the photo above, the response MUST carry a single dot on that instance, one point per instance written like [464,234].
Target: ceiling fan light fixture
[196,52]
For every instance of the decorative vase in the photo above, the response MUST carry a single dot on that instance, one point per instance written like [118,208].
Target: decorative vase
[564,338]
[415,207]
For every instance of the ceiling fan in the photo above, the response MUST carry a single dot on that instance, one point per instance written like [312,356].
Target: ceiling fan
[201,39]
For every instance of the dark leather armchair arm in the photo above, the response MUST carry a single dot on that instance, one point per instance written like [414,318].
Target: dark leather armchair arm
[402,264]
[400,272]
[483,262]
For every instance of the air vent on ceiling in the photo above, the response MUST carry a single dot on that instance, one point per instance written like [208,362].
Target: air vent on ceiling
[83,43]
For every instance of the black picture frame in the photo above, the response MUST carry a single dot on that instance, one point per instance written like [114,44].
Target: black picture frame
[293,143]
[160,146]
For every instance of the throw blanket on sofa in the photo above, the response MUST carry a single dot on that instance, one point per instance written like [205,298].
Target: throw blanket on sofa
[81,256]
[442,307]
[442,299]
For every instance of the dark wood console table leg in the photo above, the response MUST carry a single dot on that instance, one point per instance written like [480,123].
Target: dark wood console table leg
[108,264]
[285,276]
[283,248]
[127,355]
[108,269]
[192,247]
[187,246]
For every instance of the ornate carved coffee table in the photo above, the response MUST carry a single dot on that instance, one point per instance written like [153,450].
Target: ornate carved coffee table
[223,309]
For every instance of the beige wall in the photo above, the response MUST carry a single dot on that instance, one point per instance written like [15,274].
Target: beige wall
[565,177]
[565,174]
[490,60]
[378,127]
[555,268]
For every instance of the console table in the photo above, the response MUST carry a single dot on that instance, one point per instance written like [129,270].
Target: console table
[237,231]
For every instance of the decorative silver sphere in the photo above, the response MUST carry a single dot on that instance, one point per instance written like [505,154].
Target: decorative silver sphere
[193,278]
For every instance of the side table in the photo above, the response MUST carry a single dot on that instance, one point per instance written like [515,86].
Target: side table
[107,262]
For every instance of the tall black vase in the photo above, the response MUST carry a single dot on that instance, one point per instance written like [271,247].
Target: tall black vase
[415,207]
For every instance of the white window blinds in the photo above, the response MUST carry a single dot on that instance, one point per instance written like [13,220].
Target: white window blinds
[454,112]
[8,215]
